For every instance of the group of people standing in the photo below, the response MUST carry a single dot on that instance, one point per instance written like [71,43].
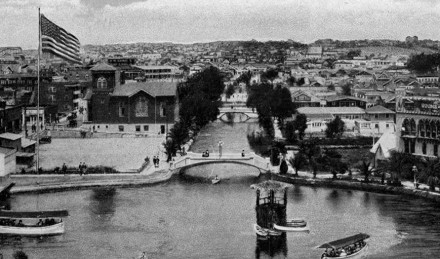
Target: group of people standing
[82,168]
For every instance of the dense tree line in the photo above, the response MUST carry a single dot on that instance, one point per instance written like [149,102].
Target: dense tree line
[270,102]
[424,63]
[199,101]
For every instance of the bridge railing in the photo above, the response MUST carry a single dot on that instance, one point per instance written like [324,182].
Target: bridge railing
[260,162]
[248,158]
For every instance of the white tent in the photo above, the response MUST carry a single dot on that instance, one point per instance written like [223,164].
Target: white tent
[383,147]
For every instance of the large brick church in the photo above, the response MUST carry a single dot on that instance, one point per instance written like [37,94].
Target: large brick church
[141,107]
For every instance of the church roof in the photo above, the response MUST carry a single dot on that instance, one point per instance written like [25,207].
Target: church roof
[152,88]
[103,67]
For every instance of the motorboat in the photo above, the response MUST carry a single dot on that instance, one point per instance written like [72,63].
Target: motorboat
[352,247]
[41,228]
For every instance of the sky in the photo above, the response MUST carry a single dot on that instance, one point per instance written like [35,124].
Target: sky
[189,21]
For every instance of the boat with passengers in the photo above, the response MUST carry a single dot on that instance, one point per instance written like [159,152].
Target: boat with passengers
[32,223]
[350,247]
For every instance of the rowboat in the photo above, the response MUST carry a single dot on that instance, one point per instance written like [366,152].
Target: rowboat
[34,229]
[342,247]
[260,231]
[215,181]
[289,228]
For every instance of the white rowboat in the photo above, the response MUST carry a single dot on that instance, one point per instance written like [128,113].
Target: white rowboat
[291,228]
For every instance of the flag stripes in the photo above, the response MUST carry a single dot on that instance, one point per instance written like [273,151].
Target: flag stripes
[58,41]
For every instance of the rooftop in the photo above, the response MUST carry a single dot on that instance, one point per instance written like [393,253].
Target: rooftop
[331,110]
[152,88]
[103,67]
[333,98]
[10,136]
[378,109]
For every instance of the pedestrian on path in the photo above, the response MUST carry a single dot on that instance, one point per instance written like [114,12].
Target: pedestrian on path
[220,145]
[80,167]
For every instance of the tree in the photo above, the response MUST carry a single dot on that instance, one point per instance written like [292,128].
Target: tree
[230,90]
[331,161]
[346,89]
[283,167]
[290,132]
[199,97]
[269,75]
[365,169]
[245,78]
[312,151]
[297,162]
[301,125]
[424,63]
[335,128]
[291,81]
[281,104]
[179,133]
[431,173]
[397,164]
[20,255]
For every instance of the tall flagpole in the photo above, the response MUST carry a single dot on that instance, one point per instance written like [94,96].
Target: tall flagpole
[38,93]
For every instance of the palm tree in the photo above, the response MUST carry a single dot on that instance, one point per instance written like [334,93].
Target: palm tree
[311,150]
[297,162]
[431,173]
[366,170]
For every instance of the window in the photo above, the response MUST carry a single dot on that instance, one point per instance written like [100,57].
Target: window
[162,109]
[376,126]
[121,128]
[102,82]
[141,107]
[406,146]
[138,128]
[424,148]
[435,150]
[52,98]
[387,116]
[376,116]
[106,126]
[387,126]
[413,146]
[146,128]
[52,89]
[121,109]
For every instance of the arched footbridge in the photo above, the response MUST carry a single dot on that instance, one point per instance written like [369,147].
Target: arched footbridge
[248,112]
[193,159]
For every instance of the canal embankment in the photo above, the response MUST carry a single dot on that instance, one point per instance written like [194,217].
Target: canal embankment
[59,183]
[407,188]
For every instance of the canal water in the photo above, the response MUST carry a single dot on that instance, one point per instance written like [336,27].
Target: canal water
[188,217]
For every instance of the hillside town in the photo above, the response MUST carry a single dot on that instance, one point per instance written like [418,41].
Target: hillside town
[131,89]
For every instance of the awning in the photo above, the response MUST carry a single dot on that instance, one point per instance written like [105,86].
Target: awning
[33,214]
[345,241]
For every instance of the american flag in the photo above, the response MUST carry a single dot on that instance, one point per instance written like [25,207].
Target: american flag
[58,41]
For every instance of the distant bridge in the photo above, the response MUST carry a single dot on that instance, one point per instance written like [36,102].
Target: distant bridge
[250,113]
[251,159]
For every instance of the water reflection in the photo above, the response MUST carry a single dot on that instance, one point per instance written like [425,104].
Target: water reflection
[297,194]
[334,199]
[272,246]
[102,205]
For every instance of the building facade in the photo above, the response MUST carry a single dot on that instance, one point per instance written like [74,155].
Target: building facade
[418,125]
